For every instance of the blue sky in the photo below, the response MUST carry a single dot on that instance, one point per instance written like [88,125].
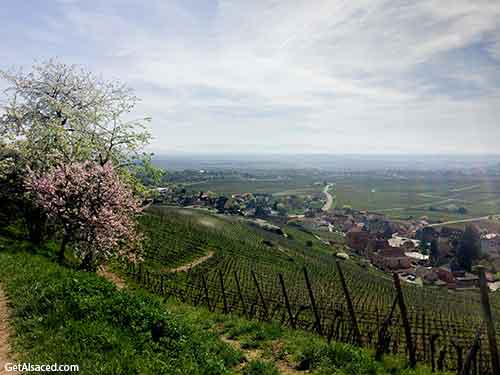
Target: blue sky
[284,76]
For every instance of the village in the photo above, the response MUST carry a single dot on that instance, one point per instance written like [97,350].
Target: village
[420,252]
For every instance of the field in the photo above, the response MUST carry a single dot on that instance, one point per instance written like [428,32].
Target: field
[400,197]
[243,277]
[300,185]
[436,197]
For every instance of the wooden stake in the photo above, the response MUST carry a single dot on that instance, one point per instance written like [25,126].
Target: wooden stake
[406,323]
[205,288]
[262,300]
[313,302]
[382,334]
[490,324]
[433,339]
[221,278]
[242,300]
[350,307]
[471,355]
[287,302]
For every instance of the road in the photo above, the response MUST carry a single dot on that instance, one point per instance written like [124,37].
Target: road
[329,198]
[465,220]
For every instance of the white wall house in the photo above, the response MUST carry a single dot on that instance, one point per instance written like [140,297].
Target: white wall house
[490,243]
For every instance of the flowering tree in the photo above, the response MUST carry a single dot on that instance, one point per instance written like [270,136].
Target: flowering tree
[58,114]
[94,207]
[12,176]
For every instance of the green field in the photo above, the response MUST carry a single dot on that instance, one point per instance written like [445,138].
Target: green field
[300,185]
[435,197]
[405,197]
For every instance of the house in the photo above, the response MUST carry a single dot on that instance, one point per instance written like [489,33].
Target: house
[376,244]
[378,224]
[405,243]
[445,247]
[417,257]
[490,243]
[427,274]
[426,234]
[357,239]
[391,258]
[455,277]
[348,224]
[467,280]
[446,274]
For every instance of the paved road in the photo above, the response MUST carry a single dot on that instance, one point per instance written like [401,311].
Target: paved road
[465,220]
[329,198]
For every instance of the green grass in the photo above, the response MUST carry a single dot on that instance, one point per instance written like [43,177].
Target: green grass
[65,316]
[260,368]
[295,349]
[72,317]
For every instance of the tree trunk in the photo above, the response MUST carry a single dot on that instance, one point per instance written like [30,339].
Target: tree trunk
[35,221]
[88,263]
[60,255]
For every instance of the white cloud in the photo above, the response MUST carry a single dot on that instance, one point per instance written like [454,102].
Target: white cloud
[334,74]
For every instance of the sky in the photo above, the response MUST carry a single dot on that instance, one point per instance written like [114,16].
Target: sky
[284,76]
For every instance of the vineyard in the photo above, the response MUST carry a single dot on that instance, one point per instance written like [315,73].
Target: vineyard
[271,276]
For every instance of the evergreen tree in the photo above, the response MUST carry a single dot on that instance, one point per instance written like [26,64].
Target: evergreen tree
[434,251]
[468,247]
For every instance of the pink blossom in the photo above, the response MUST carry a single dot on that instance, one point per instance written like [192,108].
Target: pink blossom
[96,209]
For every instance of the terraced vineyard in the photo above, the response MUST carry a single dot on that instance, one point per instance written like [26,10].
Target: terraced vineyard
[243,276]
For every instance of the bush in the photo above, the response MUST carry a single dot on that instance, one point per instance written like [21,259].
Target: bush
[260,368]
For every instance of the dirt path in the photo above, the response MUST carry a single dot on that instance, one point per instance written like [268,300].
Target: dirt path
[5,334]
[283,366]
[194,263]
[111,276]
[258,354]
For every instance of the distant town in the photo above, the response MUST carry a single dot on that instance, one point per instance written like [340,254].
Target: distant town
[421,251]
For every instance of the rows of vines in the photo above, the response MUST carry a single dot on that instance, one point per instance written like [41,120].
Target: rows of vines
[243,276]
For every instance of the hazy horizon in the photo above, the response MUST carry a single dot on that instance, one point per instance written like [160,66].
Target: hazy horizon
[338,77]
[366,162]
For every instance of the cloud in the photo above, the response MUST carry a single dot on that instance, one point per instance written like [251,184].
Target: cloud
[333,74]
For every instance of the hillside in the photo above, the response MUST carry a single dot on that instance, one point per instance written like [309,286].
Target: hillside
[64,316]
[243,277]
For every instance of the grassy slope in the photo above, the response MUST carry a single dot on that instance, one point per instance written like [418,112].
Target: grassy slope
[240,248]
[63,316]
[66,316]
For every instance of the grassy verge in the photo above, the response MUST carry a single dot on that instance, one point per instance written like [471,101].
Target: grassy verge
[64,316]
[71,317]
[277,349]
